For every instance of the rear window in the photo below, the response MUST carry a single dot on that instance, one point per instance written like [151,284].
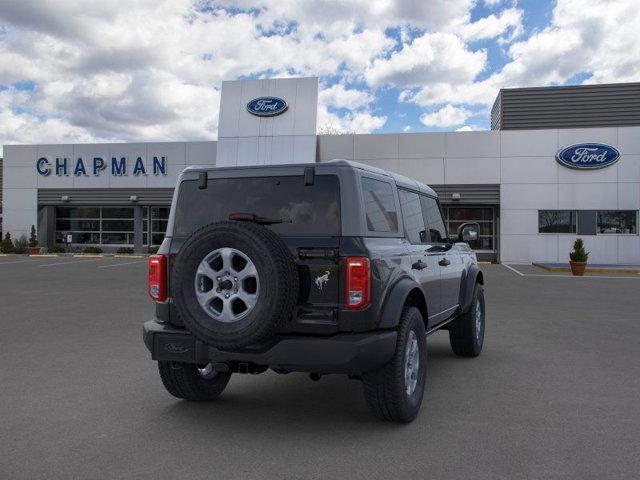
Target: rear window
[312,210]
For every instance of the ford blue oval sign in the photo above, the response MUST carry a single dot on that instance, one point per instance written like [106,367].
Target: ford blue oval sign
[267,106]
[588,156]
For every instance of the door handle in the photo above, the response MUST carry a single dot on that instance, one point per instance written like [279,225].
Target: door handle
[444,262]
[419,265]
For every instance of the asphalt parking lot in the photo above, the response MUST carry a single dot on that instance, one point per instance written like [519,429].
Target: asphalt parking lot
[555,393]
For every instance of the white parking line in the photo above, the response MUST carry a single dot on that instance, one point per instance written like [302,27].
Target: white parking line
[513,269]
[70,263]
[121,264]
[565,276]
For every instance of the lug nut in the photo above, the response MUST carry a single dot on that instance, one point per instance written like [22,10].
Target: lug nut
[226,295]
[218,279]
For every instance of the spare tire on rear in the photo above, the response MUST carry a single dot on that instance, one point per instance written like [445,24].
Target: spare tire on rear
[234,284]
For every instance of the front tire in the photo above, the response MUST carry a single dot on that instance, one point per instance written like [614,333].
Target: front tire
[395,392]
[466,332]
[190,382]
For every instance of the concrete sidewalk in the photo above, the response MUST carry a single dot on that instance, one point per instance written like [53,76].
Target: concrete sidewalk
[591,267]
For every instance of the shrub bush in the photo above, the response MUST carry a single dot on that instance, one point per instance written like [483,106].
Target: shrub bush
[124,250]
[153,250]
[33,238]
[579,254]
[21,244]
[7,244]
[92,250]
[55,249]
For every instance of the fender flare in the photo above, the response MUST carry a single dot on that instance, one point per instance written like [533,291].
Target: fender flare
[395,301]
[471,276]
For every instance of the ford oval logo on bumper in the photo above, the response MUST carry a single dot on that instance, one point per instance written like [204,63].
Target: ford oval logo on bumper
[588,156]
[267,106]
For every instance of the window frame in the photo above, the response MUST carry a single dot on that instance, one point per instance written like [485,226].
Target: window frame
[447,240]
[617,210]
[573,211]
[394,189]
[577,217]
[404,229]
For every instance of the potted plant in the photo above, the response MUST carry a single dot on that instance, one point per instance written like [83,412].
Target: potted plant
[7,244]
[33,242]
[578,258]
[21,245]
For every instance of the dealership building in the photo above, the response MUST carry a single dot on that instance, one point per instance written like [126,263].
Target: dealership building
[559,162]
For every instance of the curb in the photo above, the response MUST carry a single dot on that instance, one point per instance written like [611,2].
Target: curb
[589,270]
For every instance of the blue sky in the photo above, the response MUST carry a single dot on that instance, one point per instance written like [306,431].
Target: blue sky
[77,71]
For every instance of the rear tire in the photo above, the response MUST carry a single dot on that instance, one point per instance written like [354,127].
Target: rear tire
[388,391]
[187,381]
[466,333]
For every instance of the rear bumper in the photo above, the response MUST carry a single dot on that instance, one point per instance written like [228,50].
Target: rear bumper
[343,353]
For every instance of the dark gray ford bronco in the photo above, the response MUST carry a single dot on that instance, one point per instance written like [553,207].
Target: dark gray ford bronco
[323,268]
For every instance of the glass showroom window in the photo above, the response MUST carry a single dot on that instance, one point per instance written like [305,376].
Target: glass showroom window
[95,225]
[117,226]
[484,216]
[82,223]
[618,221]
[556,221]
[159,218]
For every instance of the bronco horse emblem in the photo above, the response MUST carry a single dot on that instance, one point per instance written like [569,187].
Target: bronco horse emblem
[322,280]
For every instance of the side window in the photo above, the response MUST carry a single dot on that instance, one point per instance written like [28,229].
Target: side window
[412,216]
[433,219]
[379,206]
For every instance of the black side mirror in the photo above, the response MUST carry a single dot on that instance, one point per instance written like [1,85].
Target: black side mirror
[468,232]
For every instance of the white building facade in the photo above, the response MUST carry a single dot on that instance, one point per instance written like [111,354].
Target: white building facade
[531,207]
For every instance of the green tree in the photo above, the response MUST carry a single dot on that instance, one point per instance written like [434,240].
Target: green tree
[579,254]
[7,244]
[33,238]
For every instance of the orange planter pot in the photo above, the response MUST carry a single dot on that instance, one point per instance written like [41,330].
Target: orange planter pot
[34,250]
[578,268]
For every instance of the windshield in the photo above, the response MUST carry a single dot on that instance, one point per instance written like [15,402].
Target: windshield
[311,210]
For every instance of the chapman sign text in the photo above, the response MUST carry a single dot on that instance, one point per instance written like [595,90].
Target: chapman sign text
[118,166]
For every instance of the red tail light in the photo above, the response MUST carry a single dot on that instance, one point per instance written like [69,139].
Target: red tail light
[157,278]
[358,283]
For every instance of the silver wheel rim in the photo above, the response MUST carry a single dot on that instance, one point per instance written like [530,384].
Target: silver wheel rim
[478,318]
[227,285]
[207,372]
[411,363]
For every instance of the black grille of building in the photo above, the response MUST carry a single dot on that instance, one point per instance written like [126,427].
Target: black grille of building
[605,105]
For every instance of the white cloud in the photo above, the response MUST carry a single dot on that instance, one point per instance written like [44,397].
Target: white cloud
[151,69]
[469,128]
[447,116]
[407,128]
[432,57]
[509,20]
[351,122]
[338,96]
[583,37]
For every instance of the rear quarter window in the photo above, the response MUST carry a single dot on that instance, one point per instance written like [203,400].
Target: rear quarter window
[379,206]
[306,210]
